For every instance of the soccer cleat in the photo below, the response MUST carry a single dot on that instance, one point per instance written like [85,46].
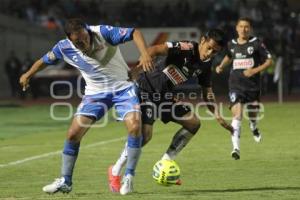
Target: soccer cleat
[114,182]
[256,135]
[58,185]
[235,154]
[127,186]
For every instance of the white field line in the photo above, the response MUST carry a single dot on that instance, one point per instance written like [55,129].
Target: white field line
[17,162]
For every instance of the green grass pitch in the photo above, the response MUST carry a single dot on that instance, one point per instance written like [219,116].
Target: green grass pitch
[269,170]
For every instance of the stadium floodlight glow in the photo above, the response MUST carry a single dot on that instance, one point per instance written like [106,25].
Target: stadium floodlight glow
[67,96]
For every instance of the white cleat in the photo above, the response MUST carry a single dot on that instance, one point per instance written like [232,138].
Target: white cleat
[256,135]
[127,185]
[58,185]
[235,154]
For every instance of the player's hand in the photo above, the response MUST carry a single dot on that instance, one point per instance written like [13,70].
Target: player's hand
[134,73]
[249,72]
[225,125]
[219,69]
[145,62]
[24,82]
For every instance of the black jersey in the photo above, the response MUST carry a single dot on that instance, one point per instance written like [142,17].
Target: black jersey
[244,56]
[182,63]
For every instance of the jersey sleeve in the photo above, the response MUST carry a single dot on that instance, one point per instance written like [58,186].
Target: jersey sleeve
[204,79]
[53,56]
[116,35]
[177,47]
[264,53]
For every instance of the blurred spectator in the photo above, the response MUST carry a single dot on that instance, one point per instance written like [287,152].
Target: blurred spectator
[27,63]
[13,71]
[51,24]
[277,21]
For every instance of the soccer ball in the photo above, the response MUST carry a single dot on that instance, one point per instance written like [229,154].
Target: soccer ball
[166,172]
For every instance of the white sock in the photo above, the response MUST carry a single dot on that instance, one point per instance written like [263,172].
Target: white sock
[117,168]
[166,156]
[253,125]
[129,176]
[235,138]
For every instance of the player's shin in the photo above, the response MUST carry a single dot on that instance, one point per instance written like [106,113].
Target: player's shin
[253,125]
[134,145]
[179,141]
[69,157]
[252,114]
[235,137]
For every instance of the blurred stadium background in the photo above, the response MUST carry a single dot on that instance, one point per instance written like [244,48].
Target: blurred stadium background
[30,28]
[30,140]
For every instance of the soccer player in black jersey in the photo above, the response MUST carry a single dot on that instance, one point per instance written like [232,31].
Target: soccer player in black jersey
[179,62]
[249,57]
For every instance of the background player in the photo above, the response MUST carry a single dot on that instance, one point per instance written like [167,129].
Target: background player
[249,57]
[94,52]
[181,61]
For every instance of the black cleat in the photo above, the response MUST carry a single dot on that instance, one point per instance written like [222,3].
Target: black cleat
[256,135]
[235,154]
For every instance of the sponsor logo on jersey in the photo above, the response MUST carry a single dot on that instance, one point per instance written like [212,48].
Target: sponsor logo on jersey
[174,74]
[51,56]
[74,58]
[245,63]
[123,31]
[240,55]
[250,50]
[109,28]
[186,45]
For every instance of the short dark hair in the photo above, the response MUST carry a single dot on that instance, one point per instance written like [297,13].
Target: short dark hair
[217,35]
[247,19]
[73,25]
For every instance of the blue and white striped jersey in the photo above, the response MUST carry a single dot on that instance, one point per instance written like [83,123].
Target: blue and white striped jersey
[103,67]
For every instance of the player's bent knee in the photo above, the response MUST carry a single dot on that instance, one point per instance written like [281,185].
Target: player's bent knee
[193,127]
[73,136]
[134,128]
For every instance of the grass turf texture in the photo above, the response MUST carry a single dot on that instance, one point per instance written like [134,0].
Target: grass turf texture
[269,170]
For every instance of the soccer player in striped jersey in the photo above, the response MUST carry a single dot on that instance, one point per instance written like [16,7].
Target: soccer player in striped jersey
[94,51]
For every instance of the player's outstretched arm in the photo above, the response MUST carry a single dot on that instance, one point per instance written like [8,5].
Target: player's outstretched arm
[252,71]
[226,61]
[158,50]
[209,98]
[145,60]
[25,78]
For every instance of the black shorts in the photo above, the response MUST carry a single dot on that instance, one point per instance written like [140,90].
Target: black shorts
[166,111]
[236,96]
